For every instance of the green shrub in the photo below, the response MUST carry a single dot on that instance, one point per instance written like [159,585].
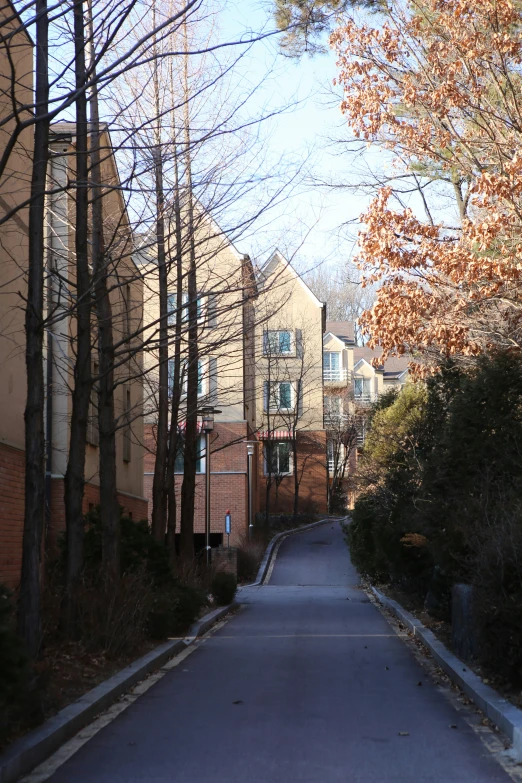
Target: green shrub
[224,587]
[174,609]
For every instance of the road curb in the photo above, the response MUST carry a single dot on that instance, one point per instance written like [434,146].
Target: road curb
[33,748]
[506,716]
[270,550]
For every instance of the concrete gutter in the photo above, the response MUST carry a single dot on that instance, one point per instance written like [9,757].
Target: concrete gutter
[271,549]
[33,748]
[505,715]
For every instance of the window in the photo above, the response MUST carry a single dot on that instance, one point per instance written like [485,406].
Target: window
[278,343]
[201,376]
[333,405]
[332,366]
[278,458]
[362,387]
[330,452]
[280,395]
[127,432]
[180,451]
[172,307]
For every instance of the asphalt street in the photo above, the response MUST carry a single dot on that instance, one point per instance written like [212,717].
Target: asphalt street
[308,683]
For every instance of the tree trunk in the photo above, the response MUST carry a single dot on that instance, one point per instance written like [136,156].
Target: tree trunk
[176,381]
[29,618]
[296,477]
[109,507]
[75,473]
[159,488]
[160,463]
[188,489]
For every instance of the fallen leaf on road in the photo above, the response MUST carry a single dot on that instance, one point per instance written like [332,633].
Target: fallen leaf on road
[237,702]
[419,683]
[387,668]
[404,733]
[453,725]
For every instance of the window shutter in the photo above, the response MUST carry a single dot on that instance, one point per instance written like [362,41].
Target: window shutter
[212,310]
[299,398]
[212,379]
[299,343]
[265,395]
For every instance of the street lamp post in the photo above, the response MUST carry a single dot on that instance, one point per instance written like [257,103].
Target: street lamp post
[250,453]
[207,423]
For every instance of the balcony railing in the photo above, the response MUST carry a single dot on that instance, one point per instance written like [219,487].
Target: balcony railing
[334,420]
[335,376]
[366,398]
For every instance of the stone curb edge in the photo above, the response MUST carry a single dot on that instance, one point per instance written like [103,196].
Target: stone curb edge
[33,748]
[269,552]
[505,715]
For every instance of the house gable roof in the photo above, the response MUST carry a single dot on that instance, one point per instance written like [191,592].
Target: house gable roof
[368,364]
[344,330]
[276,259]
[329,335]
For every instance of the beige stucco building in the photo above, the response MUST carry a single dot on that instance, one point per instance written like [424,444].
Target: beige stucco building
[16,70]
[225,369]
[354,378]
[126,286]
[290,323]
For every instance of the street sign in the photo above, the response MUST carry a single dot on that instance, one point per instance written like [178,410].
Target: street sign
[228,526]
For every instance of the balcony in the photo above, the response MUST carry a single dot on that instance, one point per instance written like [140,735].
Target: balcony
[338,375]
[336,421]
[365,399]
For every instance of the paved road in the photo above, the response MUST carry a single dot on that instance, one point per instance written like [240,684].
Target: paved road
[307,684]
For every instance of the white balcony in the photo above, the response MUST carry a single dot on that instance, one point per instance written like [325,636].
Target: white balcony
[335,421]
[335,376]
[366,398]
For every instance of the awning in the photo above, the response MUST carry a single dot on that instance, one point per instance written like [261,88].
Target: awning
[275,435]
[182,426]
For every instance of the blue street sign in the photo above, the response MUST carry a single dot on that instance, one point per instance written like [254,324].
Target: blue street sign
[228,523]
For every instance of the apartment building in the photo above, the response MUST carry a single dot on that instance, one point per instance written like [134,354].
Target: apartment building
[290,323]
[126,298]
[126,303]
[225,294]
[354,378]
[16,83]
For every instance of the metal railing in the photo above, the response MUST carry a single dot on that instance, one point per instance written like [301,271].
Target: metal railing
[366,398]
[335,420]
[340,374]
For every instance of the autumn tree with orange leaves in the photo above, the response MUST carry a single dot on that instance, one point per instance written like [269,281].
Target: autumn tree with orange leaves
[439,84]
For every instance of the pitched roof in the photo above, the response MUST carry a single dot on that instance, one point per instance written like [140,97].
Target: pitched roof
[342,329]
[277,258]
[393,366]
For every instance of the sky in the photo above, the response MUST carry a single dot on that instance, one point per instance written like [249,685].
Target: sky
[309,227]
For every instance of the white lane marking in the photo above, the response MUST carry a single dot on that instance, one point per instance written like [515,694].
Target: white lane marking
[272,562]
[315,636]
[48,767]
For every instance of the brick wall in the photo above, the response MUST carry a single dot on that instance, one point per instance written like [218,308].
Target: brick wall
[137,507]
[12,473]
[311,462]
[228,483]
